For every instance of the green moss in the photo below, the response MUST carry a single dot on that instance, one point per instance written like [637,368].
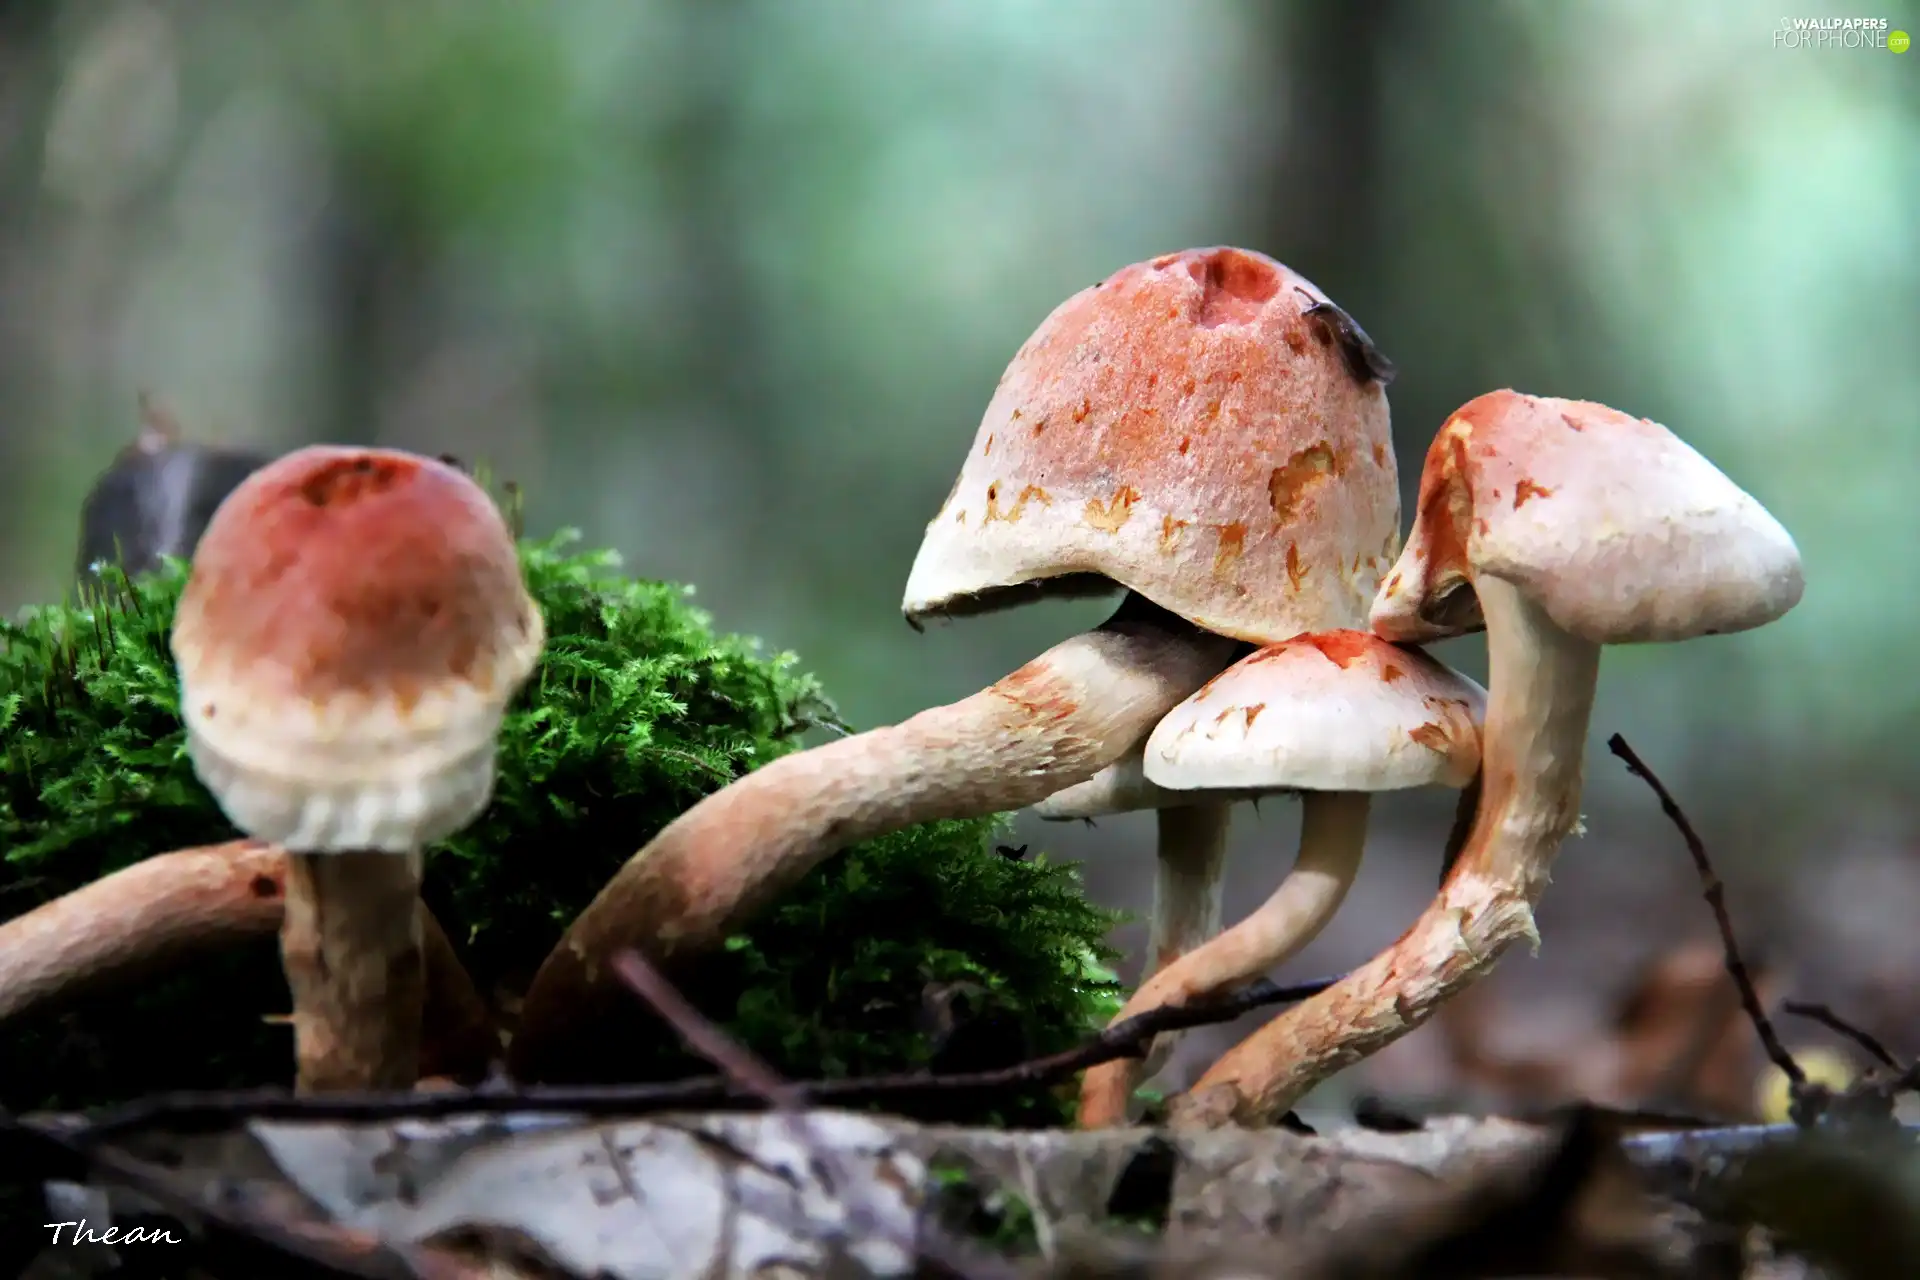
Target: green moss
[930,946]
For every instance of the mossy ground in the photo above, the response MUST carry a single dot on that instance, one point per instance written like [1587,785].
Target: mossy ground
[639,708]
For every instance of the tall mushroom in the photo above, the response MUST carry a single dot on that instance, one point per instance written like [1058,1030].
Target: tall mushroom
[1334,716]
[353,628]
[1205,430]
[1558,526]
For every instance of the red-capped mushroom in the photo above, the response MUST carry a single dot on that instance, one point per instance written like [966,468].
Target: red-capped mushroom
[1557,526]
[353,628]
[1334,717]
[1205,430]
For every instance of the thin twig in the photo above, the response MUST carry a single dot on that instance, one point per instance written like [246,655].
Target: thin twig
[1715,893]
[1126,1038]
[748,1072]
[733,1058]
[1826,1017]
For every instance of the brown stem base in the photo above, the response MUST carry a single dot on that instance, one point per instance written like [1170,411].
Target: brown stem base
[352,947]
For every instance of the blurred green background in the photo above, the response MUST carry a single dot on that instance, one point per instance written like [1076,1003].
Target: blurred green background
[727,283]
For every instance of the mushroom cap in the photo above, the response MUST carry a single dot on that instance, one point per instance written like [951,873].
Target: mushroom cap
[1206,429]
[1615,526]
[1335,711]
[353,628]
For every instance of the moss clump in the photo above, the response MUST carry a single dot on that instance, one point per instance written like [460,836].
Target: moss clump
[930,946]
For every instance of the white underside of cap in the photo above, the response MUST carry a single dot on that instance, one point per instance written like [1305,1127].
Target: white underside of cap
[397,816]
[357,780]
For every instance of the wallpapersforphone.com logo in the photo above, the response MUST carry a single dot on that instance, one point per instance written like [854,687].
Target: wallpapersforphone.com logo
[1840,33]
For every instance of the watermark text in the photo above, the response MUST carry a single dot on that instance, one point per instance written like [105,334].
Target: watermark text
[82,1234]
[1839,33]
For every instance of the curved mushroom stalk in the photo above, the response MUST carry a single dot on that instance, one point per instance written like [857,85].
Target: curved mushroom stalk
[148,914]
[174,905]
[1054,722]
[1333,716]
[1539,704]
[1333,832]
[1540,700]
[1559,526]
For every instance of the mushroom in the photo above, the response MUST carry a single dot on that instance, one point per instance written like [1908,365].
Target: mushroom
[1204,430]
[1334,716]
[1557,526]
[193,901]
[352,630]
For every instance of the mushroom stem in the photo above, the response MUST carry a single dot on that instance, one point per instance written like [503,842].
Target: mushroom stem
[1192,855]
[1333,832]
[1187,890]
[351,943]
[1540,699]
[140,916]
[1054,722]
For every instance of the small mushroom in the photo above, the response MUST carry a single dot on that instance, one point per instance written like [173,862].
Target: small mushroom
[1191,430]
[1333,716]
[1558,526]
[353,628]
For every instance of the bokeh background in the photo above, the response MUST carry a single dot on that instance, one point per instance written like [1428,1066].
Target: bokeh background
[727,283]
